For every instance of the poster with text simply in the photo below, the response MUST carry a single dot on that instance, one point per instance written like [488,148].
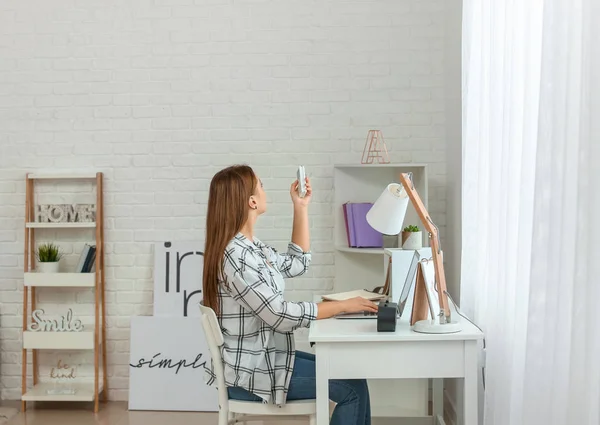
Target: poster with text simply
[166,365]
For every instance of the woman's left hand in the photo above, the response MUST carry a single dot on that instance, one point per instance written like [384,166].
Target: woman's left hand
[296,199]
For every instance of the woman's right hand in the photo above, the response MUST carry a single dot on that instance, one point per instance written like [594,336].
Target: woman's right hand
[358,304]
[327,309]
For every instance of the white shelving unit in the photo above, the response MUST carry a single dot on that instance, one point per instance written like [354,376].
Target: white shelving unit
[363,268]
[93,336]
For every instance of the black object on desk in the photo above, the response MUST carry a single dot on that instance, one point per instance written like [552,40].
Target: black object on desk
[386,317]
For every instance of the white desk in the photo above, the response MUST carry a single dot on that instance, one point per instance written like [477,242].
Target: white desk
[353,349]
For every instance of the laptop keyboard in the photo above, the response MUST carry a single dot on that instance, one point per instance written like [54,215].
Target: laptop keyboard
[370,313]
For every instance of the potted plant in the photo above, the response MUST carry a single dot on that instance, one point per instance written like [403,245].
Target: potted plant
[48,255]
[412,238]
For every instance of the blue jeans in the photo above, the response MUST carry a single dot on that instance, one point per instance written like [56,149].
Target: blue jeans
[351,395]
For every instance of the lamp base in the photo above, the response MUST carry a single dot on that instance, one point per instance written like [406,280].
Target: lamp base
[434,327]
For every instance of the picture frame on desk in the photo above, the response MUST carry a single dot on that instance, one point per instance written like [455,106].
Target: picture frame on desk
[403,274]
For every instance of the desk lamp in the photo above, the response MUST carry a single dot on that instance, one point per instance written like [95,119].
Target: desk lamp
[387,216]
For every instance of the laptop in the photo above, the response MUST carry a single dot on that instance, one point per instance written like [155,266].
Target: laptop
[408,282]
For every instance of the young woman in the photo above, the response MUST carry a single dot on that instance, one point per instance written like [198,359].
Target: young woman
[243,283]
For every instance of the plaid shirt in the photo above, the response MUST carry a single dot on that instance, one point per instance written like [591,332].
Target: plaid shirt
[257,323]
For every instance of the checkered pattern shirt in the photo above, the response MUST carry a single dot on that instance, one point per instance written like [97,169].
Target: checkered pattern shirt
[257,323]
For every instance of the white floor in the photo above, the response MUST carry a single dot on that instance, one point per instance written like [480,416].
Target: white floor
[116,413]
[112,413]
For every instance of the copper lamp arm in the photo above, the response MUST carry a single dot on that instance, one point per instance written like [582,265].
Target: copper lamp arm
[438,263]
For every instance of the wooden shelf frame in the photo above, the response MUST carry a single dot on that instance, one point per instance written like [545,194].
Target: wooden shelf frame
[97,388]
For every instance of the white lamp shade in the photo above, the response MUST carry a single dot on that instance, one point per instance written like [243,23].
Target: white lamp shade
[387,214]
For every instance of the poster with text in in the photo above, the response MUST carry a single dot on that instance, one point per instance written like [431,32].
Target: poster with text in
[178,278]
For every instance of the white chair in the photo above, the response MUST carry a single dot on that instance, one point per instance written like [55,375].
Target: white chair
[234,411]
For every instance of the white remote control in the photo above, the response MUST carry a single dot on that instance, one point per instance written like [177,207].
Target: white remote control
[301,173]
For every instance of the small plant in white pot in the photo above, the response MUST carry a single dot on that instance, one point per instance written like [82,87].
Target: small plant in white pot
[48,256]
[412,238]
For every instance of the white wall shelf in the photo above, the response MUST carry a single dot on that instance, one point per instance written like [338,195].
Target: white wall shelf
[383,166]
[73,280]
[83,340]
[62,176]
[375,251]
[84,391]
[35,225]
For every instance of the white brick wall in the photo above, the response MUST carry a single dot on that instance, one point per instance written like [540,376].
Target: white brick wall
[160,94]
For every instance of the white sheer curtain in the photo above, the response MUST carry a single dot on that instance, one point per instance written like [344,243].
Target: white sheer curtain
[530,206]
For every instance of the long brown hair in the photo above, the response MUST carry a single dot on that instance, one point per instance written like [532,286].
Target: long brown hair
[230,190]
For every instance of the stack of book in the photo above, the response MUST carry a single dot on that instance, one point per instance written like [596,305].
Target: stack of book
[87,259]
[360,233]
